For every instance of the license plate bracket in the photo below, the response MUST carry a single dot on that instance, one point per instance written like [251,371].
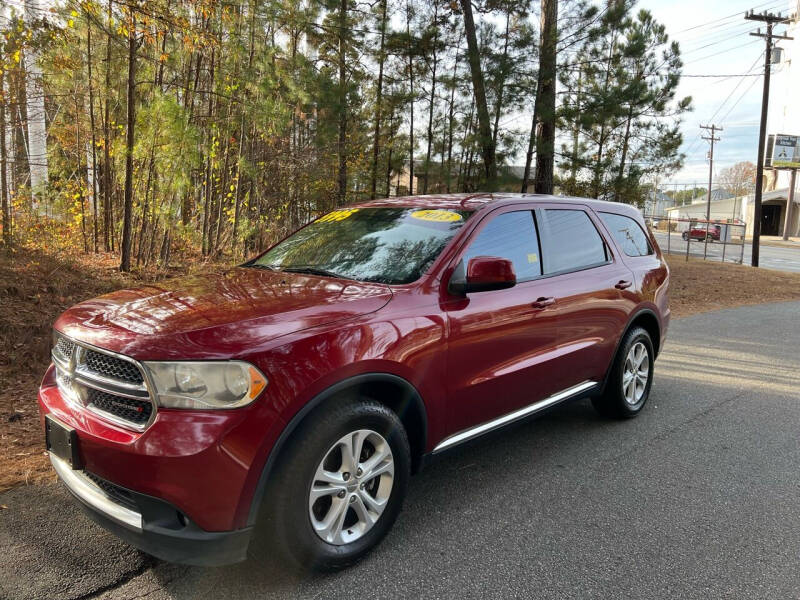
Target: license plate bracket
[62,441]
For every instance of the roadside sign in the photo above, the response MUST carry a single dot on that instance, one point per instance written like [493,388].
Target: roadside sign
[785,152]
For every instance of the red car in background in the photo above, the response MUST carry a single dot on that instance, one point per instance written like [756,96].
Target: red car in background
[699,231]
[301,389]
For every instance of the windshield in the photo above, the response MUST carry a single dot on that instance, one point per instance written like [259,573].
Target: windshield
[385,244]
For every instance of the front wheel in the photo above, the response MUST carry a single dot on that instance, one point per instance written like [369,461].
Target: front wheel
[685,236]
[340,485]
[631,376]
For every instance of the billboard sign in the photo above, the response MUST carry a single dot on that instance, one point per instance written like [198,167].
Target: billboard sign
[786,152]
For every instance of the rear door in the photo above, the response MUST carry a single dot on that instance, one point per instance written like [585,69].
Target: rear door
[593,291]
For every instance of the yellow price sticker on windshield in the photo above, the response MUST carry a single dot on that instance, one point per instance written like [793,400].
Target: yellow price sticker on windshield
[437,216]
[337,215]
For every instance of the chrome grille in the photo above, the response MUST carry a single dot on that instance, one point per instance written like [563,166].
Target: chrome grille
[65,347]
[129,409]
[112,367]
[110,385]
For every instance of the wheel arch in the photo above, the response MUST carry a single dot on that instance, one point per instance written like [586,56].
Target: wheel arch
[393,391]
[648,320]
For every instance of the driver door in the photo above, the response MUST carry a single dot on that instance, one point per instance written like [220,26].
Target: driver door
[501,342]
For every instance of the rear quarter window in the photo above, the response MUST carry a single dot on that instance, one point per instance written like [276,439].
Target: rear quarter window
[627,233]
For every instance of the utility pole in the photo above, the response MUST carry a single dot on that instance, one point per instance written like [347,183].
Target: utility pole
[770,20]
[712,138]
[545,101]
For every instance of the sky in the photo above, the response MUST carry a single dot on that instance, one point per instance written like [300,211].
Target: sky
[714,39]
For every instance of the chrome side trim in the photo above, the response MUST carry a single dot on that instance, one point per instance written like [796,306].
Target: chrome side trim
[87,492]
[474,432]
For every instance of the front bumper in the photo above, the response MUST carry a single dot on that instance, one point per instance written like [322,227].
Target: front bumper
[150,524]
[187,480]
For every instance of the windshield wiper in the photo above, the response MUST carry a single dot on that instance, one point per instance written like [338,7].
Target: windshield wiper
[260,266]
[315,271]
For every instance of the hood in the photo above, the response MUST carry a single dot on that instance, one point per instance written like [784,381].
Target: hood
[219,315]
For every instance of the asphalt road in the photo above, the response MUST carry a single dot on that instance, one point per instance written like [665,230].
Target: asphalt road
[780,258]
[696,498]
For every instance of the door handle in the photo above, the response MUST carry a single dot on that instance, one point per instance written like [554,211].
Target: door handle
[623,284]
[543,302]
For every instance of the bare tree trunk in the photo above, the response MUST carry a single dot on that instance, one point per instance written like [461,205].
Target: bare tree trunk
[411,84]
[545,105]
[125,264]
[378,105]
[341,148]
[390,144]
[479,91]
[108,221]
[3,165]
[526,175]
[92,125]
[80,151]
[576,129]
[37,130]
[451,120]
[432,102]
[625,147]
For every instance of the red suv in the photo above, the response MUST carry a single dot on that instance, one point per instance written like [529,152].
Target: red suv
[301,389]
[698,231]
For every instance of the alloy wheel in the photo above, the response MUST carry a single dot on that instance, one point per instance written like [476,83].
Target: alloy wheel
[351,487]
[636,374]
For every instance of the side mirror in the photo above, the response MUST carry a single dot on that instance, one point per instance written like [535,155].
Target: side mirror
[484,274]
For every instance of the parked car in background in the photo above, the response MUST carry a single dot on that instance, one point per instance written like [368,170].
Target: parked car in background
[699,231]
[301,389]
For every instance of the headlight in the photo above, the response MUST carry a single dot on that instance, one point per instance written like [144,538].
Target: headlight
[205,385]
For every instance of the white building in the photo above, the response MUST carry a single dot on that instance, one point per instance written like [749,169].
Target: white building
[784,117]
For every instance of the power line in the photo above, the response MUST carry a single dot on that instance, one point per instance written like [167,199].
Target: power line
[735,104]
[733,91]
[731,16]
[725,76]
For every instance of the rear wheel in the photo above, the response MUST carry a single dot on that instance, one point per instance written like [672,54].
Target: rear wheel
[339,486]
[685,236]
[628,385]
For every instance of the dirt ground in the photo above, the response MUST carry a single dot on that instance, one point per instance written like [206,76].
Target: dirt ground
[36,286]
[700,286]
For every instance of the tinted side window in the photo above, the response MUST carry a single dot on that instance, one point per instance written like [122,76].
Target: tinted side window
[570,241]
[511,235]
[628,234]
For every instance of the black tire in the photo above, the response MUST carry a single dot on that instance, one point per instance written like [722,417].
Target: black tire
[685,236]
[285,520]
[613,403]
